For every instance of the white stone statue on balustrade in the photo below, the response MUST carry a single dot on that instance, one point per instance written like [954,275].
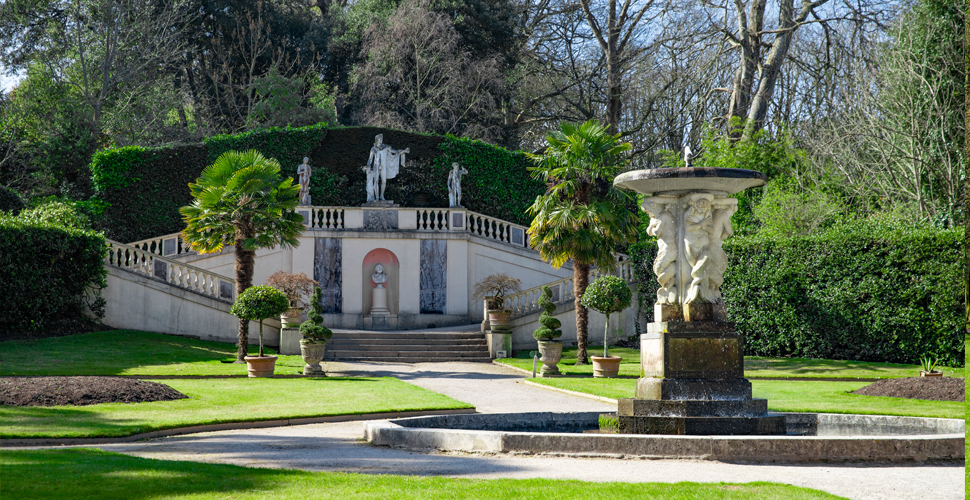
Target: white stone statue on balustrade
[303,171]
[373,191]
[386,161]
[454,185]
[663,227]
[698,228]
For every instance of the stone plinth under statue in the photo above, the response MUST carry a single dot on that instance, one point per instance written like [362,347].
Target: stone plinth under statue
[691,358]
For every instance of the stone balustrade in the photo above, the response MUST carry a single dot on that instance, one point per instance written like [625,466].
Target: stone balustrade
[149,264]
[169,245]
[527,301]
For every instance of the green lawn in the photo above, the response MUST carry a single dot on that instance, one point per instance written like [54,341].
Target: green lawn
[83,474]
[128,352]
[754,367]
[789,395]
[224,400]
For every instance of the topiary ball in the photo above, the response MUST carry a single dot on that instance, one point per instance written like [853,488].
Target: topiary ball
[607,295]
[260,302]
[315,332]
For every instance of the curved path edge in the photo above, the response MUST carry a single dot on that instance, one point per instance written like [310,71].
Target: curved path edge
[30,442]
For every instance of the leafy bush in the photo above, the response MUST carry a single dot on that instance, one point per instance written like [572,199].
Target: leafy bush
[313,329]
[784,212]
[879,289]
[260,302]
[607,295]
[496,286]
[57,213]
[550,325]
[141,188]
[52,274]
[10,201]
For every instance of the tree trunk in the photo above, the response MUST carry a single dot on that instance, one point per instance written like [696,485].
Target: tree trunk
[245,263]
[580,282]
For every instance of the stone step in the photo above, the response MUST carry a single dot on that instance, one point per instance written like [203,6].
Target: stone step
[409,335]
[336,353]
[409,359]
[381,347]
[404,342]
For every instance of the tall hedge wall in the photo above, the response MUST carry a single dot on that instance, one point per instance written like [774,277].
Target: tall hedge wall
[45,272]
[144,187]
[859,292]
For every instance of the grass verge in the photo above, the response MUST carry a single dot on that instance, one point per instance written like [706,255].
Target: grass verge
[128,352]
[82,474]
[213,401]
[754,366]
[790,395]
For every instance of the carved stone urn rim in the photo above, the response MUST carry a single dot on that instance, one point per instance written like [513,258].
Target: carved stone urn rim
[690,179]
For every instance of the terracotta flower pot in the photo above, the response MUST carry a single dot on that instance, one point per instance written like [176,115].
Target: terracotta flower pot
[312,352]
[498,319]
[261,366]
[606,367]
[551,352]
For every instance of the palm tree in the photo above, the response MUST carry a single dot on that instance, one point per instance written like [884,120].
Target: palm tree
[240,200]
[581,217]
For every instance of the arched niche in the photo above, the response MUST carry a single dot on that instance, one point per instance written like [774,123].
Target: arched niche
[392,268]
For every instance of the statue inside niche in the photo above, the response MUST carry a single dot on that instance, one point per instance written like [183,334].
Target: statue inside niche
[379,277]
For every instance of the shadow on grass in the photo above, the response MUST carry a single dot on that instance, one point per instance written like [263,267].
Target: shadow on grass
[84,473]
[117,351]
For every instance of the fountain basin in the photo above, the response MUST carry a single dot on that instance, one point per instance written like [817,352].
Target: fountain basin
[662,180]
[811,437]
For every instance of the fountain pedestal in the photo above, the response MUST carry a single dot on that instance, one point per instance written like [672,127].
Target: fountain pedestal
[691,358]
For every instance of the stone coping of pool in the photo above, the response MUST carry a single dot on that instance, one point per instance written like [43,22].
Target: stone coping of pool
[820,437]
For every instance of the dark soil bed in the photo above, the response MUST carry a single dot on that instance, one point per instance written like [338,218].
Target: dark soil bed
[932,388]
[58,391]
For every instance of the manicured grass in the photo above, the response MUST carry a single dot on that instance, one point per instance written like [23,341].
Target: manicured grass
[224,400]
[790,395]
[129,352]
[83,474]
[754,367]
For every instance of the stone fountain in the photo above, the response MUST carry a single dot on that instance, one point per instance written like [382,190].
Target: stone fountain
[691,358]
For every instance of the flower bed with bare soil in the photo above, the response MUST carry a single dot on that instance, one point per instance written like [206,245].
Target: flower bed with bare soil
[80,391]
[931,388]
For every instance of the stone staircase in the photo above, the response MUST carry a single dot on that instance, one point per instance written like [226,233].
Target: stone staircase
[411,346]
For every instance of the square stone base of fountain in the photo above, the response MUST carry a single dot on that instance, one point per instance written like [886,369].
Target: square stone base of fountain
[698,417]
[692,388]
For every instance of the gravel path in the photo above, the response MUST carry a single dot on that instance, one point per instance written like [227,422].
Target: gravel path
[493,389]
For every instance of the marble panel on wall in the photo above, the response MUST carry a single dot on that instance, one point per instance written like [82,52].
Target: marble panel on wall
[327,262]
[434,270]
[380,220]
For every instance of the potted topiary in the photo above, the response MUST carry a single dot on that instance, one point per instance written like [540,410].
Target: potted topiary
[493,289]
[928,365]
[296,287]
[546,335]
[607,295]
[314,343]
[256,304]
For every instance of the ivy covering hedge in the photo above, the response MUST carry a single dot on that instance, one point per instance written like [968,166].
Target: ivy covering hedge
[46,272]
[143,188]
[862,291]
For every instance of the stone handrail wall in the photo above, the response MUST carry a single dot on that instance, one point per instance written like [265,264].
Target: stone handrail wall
[497,229]
[527,301]
[433,219]
[149,264]
[324,217]
[169,245]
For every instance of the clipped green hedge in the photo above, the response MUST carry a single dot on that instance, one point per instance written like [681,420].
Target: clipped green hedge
[142,188]
[45,273]
[864,291]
